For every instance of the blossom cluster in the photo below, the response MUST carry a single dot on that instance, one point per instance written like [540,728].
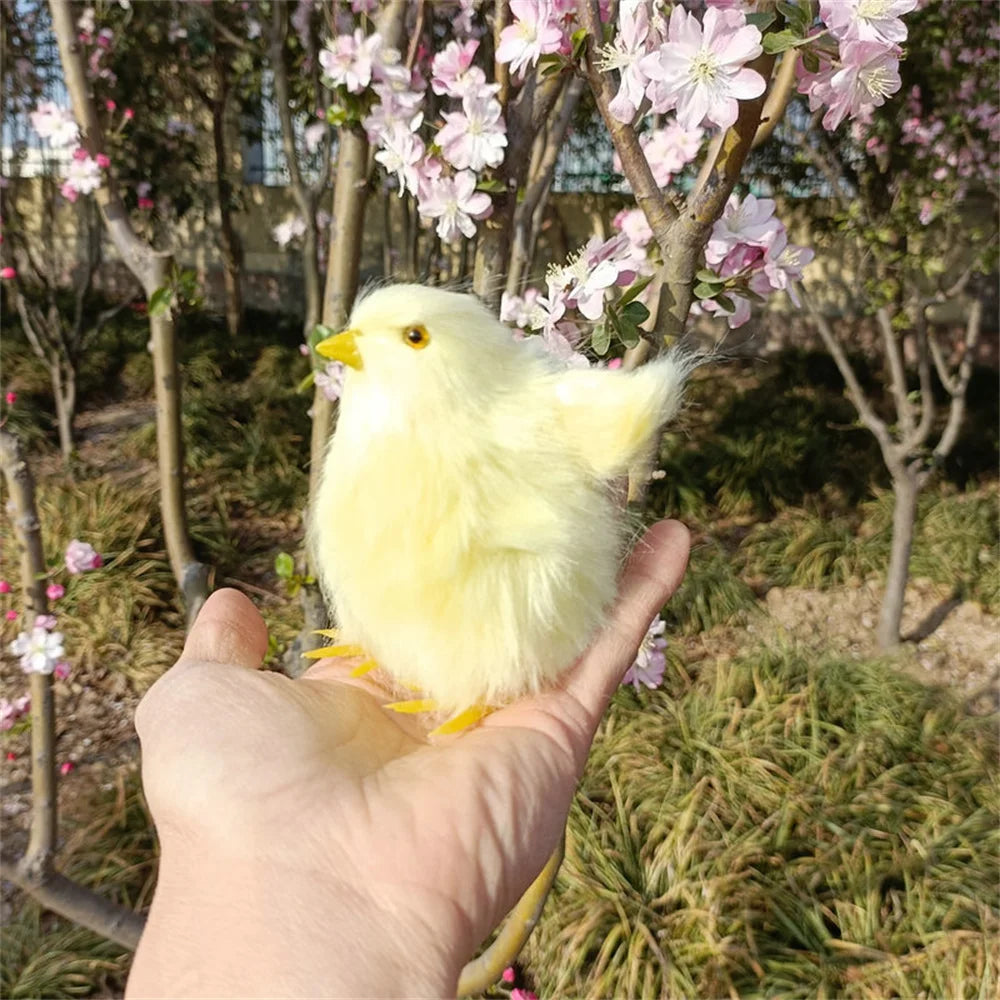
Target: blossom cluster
[42,650]
[439,167]
[577,294]
[748,256]
[855,60]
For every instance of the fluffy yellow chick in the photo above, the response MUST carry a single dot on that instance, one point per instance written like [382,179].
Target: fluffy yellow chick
[464,529]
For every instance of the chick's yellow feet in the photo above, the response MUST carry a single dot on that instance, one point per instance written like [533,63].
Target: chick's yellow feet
[342,650]
[455,724]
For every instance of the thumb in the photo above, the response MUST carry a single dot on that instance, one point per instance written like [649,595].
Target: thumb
[229,629]
[653,573]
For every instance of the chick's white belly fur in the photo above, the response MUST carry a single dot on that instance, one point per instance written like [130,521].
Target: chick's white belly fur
[465,611]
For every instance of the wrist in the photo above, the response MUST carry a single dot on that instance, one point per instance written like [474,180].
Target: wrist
[223,925]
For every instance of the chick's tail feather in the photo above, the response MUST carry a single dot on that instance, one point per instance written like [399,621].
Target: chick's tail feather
[613,418]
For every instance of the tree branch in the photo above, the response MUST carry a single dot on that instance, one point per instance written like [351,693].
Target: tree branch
[956,412]
[893,353]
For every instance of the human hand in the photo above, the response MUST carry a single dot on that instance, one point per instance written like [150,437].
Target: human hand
[313,844]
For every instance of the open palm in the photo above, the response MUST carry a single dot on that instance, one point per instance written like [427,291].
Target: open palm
[432,843]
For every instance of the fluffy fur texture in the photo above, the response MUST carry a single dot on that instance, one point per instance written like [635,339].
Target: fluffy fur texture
[464,529]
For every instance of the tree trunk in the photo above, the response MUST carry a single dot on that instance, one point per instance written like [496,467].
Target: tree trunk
[229,240]
[905,488]
[64,394]
[190,574]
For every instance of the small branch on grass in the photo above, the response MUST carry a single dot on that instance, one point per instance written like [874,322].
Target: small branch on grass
[34,871]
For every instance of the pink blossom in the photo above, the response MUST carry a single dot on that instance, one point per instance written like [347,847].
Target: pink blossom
[866,20]
[455,202]
[650,659]
[508,975]
[475,137]
[11,615]
[11,711]
[55,124]
[868,74]
[450,67]
[519,994]
[6,273]
[517,309]
[103,161]
[110,105]
[634,224]
[347,60]
[624,54]
[783,264]
[11,755]
[401,152]
[47,622]
[290,229]
[331,380]
[614,364]
[81,556]
[66,766]
[532,35]
[735,317]
[39,650]
[700,69]
[61,670]
[129,114]
[83,174]
[146,203]
[750,222]
[54,591]
[4,587]
[669,150]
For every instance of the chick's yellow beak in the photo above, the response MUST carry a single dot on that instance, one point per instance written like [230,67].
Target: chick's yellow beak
[342,347]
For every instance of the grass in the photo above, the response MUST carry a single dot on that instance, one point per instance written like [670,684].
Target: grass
[955,544]
[781,827]
[113,851]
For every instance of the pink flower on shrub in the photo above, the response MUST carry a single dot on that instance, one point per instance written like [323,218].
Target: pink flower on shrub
[66,766]
[81,556]
[11,397]
[11,615]
[519,994]
[650,659]
[7,273]
[129,114]
[508,974]
[61,670]
[4,587]
[47,622]
[38,651]
[54,591]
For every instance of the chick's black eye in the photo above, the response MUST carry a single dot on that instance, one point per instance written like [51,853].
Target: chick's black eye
[416,336]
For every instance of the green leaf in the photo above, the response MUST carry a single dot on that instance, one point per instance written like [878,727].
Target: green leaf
[628,332]
[633,291]
[709,277]
[319,332]
[307,382]
[761,21]
[491,185]
[726,303]
[550,65]
[703,290]
[160,301]
[780,41]
[635,313]
[579,40]
[284,565]
[600,339]
[798,17]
